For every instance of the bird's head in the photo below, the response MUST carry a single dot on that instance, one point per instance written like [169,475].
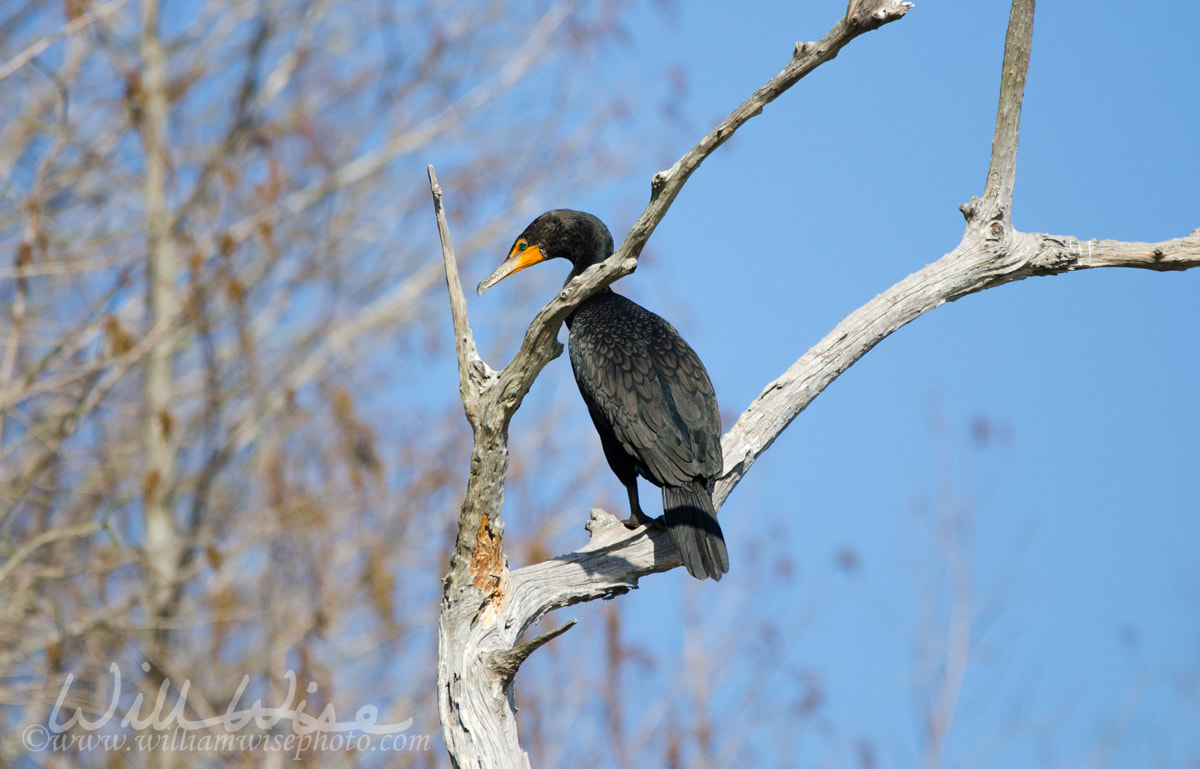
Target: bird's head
[580,238]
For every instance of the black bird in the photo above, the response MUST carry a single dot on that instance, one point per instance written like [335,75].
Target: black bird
[647,391]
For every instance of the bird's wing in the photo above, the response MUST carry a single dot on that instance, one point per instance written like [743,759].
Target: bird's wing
[651,389]
[691,417]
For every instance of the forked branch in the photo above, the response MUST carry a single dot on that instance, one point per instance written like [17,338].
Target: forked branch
[538,347]
[485,608]
[991,253]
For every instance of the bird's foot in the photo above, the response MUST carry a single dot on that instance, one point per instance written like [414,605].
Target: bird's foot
[639,519]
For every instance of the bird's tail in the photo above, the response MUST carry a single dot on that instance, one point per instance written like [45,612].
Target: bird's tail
[692,523]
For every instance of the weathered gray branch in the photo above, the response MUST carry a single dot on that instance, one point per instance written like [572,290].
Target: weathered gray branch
[1003,167]
[861,16]
[538,347]
[978,263]
[616,558]
[507,662]
[464,340]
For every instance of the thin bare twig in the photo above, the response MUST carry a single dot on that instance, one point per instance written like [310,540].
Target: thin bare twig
[46,537]
[464,341]
[538,348]
[76,24]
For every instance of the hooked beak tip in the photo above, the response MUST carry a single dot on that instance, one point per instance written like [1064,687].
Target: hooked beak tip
[517,260]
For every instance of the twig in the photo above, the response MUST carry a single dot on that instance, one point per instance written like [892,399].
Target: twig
[46,537]
[507,662]
[538,349]
[464,341]
[76,24]
[1003,166]
[861,16]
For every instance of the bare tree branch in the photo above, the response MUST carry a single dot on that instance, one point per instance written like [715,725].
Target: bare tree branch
[464,342]
[955,530]
[861,16]
[478,723]
[973,266]
[1003,167]
[370,163]
[538,347]
[75,25]
[46,537]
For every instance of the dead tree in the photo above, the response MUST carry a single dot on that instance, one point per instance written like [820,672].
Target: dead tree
[486,608]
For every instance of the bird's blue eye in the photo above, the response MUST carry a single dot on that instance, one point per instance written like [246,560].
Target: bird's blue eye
[522,245]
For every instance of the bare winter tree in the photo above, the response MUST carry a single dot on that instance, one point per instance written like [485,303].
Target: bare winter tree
[486,608]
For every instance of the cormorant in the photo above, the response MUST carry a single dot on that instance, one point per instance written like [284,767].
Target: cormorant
[647,391]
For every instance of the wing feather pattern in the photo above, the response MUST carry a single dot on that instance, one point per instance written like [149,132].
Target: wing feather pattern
[637,373]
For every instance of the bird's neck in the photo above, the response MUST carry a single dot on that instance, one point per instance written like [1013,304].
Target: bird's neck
[579,269]
[599,296]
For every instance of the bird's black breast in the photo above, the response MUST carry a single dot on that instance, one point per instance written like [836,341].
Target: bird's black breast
[645,385]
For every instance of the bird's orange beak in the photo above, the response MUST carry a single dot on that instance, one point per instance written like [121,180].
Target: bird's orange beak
[517,260]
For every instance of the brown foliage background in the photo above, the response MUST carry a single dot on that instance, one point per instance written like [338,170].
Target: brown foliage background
[265,160]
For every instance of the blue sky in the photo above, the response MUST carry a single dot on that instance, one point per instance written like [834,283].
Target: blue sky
[1085,500]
